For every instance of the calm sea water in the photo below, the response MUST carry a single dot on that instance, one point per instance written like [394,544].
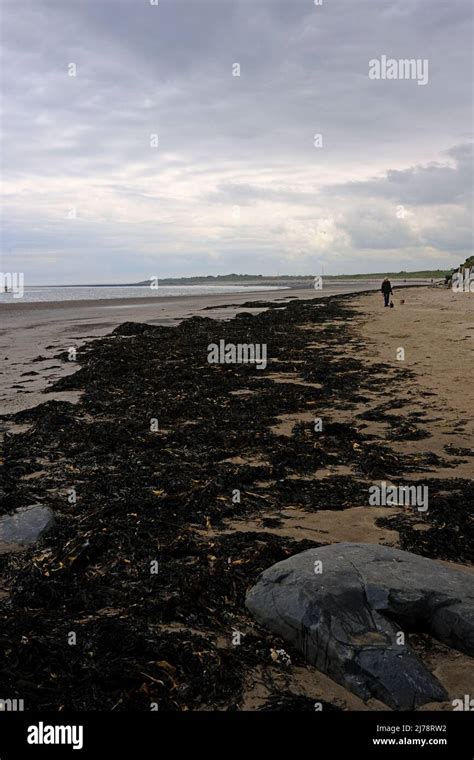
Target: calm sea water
[95,293]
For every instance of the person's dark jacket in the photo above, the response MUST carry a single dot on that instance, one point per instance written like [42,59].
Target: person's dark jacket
[386,287]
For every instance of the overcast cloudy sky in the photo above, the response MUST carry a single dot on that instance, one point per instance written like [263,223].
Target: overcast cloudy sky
[236,183]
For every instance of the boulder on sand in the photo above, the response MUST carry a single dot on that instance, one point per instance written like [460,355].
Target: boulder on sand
[345,605]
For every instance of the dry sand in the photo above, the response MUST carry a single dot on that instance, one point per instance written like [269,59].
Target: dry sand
[436,328]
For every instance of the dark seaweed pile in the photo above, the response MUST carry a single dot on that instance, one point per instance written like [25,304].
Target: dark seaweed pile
[446,530]
[144,495]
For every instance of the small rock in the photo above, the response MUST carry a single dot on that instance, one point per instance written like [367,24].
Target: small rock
[24,526]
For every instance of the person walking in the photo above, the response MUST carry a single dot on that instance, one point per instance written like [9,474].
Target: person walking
[386,291]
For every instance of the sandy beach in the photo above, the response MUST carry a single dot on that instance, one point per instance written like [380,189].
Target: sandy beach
[436,328]
[386,418]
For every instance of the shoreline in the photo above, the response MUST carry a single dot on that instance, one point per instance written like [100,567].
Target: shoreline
[340,287]
[223,428]
[23,307]
[34,329]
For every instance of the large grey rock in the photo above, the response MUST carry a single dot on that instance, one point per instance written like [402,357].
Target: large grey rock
[347,619]
[24,526]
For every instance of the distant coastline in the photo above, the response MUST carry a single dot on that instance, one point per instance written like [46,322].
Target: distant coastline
[294,281]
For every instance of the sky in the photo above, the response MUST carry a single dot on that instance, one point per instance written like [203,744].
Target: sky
[157,138]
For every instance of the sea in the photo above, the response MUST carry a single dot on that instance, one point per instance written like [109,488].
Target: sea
[55,293]
[51,294]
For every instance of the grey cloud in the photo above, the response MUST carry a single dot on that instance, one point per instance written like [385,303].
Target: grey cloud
[434,183]
[379,230]
[224,139]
